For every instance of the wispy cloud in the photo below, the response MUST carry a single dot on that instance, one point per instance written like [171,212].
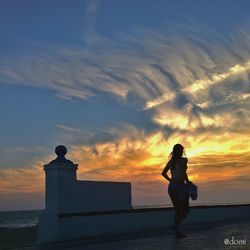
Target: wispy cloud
[146,68]
[233,71]
[19,180]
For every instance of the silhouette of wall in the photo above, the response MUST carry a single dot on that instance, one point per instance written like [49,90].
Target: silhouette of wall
[65,194]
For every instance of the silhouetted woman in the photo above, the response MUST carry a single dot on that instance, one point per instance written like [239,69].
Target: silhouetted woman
[177,189]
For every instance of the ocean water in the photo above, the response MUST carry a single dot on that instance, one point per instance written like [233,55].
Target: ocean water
[17,219]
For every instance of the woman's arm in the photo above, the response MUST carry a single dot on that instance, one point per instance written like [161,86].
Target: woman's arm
[165,171]
[186,178]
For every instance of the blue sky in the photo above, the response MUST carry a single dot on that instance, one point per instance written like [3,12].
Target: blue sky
[91,74]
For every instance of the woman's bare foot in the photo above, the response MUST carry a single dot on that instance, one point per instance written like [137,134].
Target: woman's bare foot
[178,234]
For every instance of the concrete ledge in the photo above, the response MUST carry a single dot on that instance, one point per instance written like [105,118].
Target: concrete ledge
[79,225]
[144,210]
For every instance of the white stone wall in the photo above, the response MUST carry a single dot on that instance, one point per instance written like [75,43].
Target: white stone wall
[75,226]
[66,194]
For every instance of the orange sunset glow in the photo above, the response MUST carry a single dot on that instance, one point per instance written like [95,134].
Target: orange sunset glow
[140,160]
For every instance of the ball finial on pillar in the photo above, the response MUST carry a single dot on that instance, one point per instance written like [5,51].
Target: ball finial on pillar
[61,151]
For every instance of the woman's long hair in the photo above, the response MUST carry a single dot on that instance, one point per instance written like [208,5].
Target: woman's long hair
[176,154]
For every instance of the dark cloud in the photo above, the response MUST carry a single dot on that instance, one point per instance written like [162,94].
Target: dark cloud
[101,137]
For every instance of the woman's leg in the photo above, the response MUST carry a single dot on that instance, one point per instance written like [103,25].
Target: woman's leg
[184,211]
[177,221]
[181,212]
[177,216]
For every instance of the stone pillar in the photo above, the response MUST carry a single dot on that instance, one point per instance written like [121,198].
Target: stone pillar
[60,179]
[60,175]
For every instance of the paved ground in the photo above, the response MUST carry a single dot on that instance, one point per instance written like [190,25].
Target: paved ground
[207,236]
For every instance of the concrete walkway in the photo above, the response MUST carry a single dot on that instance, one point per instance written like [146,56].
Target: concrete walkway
[208,236]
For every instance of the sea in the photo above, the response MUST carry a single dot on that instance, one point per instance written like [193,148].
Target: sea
[18,219]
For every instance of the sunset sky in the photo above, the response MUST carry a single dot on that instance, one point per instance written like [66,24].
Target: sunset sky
[119,83]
